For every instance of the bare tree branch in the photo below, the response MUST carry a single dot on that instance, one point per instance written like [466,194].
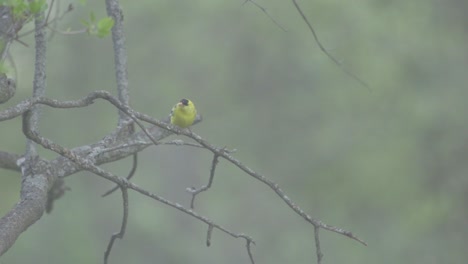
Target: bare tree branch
[129,176]
[32,202]
[46,20]
[265,11]
[43,180]
[122,182]
[95,152]
[121,233]
[120,54]
[215,150]
[322,48]
[120,62]
[39,177]
[39,83]
[99,150]
[34,185]
[274,186]
[317,245]
[208,235]
[225,154]
[194,191]
[27,105]
[248,245]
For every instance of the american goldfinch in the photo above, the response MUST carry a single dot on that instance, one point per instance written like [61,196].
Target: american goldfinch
[183,114]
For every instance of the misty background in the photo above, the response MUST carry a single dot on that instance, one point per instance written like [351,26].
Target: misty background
[389,163]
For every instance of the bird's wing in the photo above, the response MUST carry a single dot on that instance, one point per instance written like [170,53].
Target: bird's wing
[173,109]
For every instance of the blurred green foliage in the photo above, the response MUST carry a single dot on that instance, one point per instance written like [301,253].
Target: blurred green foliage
[389,165]
[22,9]
[101,28]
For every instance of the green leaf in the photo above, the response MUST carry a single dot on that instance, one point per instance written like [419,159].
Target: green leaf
[104,26]
[18,7]
[37,6]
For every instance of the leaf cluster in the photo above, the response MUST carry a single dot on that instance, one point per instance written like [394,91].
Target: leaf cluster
[100,28]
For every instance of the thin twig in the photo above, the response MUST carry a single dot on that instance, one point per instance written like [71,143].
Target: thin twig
[69,32]
[121,233]
[175,142]
[194,191]
[322,48]
[317,245]
[57,13]
[129,176]
[208,235]
[249,250]
[89,99]
[50,10]
[69,9]
[179,142]
[265,11]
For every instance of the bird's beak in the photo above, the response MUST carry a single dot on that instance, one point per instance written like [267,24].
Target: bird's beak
[180,104]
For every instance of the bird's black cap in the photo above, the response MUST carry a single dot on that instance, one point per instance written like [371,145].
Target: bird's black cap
[184,102]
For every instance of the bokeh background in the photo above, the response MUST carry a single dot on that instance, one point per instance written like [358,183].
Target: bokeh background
[389,163]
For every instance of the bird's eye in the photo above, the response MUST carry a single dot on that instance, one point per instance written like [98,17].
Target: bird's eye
[184,102]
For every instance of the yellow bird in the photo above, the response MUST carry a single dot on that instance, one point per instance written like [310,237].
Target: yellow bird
[183,114]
